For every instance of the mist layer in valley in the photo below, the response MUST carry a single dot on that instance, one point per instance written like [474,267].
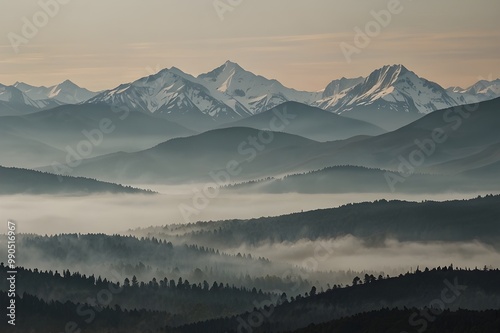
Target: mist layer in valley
[332,258]
[112,213]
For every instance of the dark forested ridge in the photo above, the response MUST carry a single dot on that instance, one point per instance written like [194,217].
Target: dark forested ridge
[458,220]
[442,288]
[36,315]
[24,181]
[149,258]
[50,299]
[396,321]
[186,301]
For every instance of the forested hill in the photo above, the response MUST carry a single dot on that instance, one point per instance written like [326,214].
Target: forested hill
[149,258]
[446,288]
[184,307]
[24,181]
[184,300]
[42,316]
[36,315]
[396,320]
[459,220]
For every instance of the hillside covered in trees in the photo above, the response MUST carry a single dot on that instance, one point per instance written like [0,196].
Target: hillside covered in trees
[436,289]
[374,222]
[186,301]
[49,300]
[24,181]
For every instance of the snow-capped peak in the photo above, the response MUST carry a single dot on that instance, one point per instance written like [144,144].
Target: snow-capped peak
[172,91]
[393,87]
[20,101]
[256,93]
[336,86]
[386,77]
[65,92]
[479,91]
[485,87]
[229,65]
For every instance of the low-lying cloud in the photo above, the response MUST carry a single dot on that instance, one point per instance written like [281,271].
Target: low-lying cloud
[392,257]
[111,213]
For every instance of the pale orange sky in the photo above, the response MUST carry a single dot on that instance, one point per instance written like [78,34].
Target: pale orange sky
[100,44]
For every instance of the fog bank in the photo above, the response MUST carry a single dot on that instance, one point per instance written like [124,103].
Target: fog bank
[109,213]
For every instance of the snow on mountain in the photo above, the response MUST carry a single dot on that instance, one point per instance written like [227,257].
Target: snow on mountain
[229,93]
[34,93]
[482,90]
[173,91]
[14,102]
[225,94]
[13,95]
[256,93]
[65,93]
[455,89]
[395,87]
[488,88]
[335,87]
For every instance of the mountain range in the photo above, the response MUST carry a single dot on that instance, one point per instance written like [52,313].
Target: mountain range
[483,89]
[172,127]
[389,97]
[65,93]
[51,136]
[260,154]
[14,102]
[22,98]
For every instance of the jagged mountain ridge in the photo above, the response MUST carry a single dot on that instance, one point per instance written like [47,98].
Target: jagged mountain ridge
[257,93]
[229,93]
[483,89]
[14,102]
[396,92]
[390,97]
[174,95]
[65,92]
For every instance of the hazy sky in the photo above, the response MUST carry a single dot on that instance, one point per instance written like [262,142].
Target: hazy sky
[102,43]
